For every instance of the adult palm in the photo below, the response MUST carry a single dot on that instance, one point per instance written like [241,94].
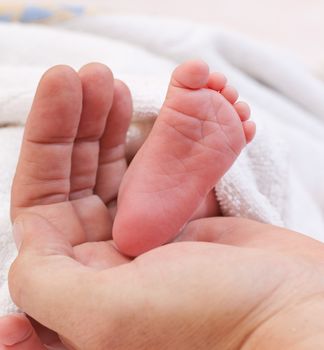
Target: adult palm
[244,285]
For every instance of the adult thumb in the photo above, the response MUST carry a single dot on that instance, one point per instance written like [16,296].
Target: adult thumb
[44,280]
[247,233]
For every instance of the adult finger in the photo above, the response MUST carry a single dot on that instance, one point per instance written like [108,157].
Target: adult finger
[43,171]
[98,87]
[112,157]
[248,233]
[17,333]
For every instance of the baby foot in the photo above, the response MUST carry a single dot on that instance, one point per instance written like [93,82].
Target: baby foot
[195,140]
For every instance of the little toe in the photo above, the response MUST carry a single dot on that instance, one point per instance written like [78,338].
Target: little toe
[243,110]
[217,81]
[191,74]
[230,93]
[249,128]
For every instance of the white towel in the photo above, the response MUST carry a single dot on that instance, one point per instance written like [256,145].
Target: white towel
[275,180]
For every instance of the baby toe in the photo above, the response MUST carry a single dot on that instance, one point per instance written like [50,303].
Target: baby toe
[230,93]
[217,81]
[243,110]
[191,74]
[249,128]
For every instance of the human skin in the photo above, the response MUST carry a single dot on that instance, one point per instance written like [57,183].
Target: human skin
[244,285]
[199,133]
[68,209]
[74,153]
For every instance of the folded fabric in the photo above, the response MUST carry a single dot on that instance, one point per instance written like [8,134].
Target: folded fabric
[275,180]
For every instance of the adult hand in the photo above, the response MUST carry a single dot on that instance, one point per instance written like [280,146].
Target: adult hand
[245,285]
[72,161]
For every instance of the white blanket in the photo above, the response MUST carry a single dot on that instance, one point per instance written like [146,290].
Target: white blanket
[276,179]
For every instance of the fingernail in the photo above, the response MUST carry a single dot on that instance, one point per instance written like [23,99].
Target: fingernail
[17,231]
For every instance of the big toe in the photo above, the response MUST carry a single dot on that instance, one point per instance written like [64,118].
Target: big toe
[191,74]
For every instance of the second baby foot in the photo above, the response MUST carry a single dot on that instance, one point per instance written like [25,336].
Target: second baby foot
[196,138]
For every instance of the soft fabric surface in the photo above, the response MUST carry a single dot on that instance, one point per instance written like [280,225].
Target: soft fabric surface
[292,25]
[276,179]
[15,12]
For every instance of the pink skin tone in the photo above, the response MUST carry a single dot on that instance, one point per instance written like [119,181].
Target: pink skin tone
[17,333]
[195,140]
[73,156]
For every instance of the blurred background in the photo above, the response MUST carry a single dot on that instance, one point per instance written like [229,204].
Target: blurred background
[296,25]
